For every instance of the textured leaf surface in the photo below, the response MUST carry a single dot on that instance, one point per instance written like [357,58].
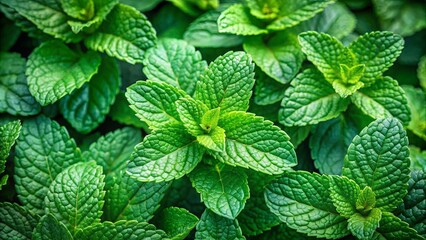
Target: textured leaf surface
[125,34]
[15,98]
[72,201]
[379,158]
[391,227]
[43,150]
[255,143]
[363,227]
[344,193]
[267,90]
[177,222]
[238,20]
[190,113]
[16,222]
[227,83]
[416,99]
[302,201]
[212,226]
[166,154]
[224,190]
[54,70]
[310,100]
[49,228]
[9,132]
[175,62]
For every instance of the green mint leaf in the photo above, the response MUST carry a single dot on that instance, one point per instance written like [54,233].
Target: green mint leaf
[264,9]
[417,158]
[154,102]
[9,132]
[204,32]
[54,70]
[421,72]
[210,119]
[344,192]
[212,226]
[214,140]
[129,199]
[310,100]
[383,99]
[175,62]
[15,98]
[267,90]
[297,134]
[16,222]
[391,227]
[366,200]
[377,51]
[176,222]
[190,113]
[82,10]
[120,230]
[121,112]
[70,199]
[43,150]
[351,75]
[86,107]
[363,227]
[49,228]
[302,201]
[167,153]
[379,158]
[279,56]
[224,190]
[416,99]
[238,20]
[329,143]
[252,142]
[227,83]
[125,34]
[9,28]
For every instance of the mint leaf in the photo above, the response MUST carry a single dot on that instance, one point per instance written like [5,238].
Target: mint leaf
[214,140]
[417,158]
[154,102]
[344,192]
[421,72]
[266,10]
[227,83]
[255,143]
[49,228]
[82,10]
[16,222]
[378,51]
[176,222]
[366,201]
[43,150]
[383,99]
[87,107]
[238,20]
[9,132]
[190,113]
[279,56]
[71,201]
[267,90]
[125,34]
[363,227]
[175,62]
[212,226]
[391,227]
[310,100]
[224,190]
[15,98]
[11,30]
[416,99]
[54,70]
[167,153]
[379,158]
[302,201]
[120,230]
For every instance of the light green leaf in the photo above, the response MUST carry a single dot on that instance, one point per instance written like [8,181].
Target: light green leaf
[302,201]
[82,10]
[154,102]
[70,199]
[214,140]
[267,90]
[224,190]
[176,222]
[377,51]
[344,192]
[54,70]
[175,62]
[255,143]
[49,228]
[15,98]
[421,72]
[43,150]
[212,226]
[87,107]
[120,230]
[190,113]
[391,227]
[379,158]
[167,153]
[210,119]
[238,20]
[363,227]
[9,132]
[383,99]
[416,102]
[279,56]
[125,34]
[121,112]
[227,83]
[16,222]
[366,200]
[264,9]
[310,100]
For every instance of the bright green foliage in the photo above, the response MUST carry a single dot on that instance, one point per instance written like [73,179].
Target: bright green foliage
[15,98]
[238,20]
[120,230]
[43,150]
[174,62]
[125,34]
[391,227]
[417,158]
[421,72]
[82,10]
[71,201]
[417,101]
[190,113]
[212,226]
[362,226]
[9,132]
[214,140]
[86,108]
[16,222]
[54,70]
[267,90]
[176,222]
[49,228]
[224,190]
[366,200]
[344,192]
